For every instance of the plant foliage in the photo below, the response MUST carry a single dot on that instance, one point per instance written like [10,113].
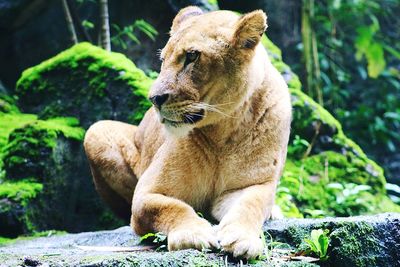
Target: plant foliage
[359,74]
[318,244]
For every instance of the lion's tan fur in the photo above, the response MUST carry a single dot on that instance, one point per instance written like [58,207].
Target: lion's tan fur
[226,165]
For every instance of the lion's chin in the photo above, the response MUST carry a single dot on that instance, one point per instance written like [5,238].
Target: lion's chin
[178,131]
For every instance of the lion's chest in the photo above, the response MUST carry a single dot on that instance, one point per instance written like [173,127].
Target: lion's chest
[242,168]
[198,175]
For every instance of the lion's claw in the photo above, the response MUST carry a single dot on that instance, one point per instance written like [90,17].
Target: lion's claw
[199,236]
[241,243]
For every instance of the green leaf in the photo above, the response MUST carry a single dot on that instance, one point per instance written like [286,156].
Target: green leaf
[376,60]
[160,238]
[87,24]
[363,40]
[371,49]
[337,4]
[147,236]
[392,115]
[312,245]
[315,234]
[116,27]
[318,243]
[335,186]
[146,28]
[392,51]
[323,241]
[133,37]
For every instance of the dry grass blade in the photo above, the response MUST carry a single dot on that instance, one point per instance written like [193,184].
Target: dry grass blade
[116,249]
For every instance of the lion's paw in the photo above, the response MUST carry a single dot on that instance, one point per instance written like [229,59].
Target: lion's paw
[199,236]
[240,242]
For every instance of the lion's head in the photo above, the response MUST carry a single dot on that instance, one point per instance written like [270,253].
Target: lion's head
[205,67]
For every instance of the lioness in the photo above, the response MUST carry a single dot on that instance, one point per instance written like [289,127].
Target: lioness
[214,141]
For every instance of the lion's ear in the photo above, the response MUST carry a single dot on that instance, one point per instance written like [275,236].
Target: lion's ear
[249,29]
[184,14]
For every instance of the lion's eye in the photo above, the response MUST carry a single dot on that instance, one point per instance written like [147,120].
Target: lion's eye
[191,56]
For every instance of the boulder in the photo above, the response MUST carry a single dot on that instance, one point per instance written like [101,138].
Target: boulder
[10,118]
[47,181]
[47,149]
[354,241]
[85,82]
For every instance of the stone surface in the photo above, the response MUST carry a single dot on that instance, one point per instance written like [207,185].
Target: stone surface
[355,241]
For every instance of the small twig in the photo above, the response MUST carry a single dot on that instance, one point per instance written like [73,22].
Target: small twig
[70,22]
[326,174]
[115,249]
[78,22]
[310,146]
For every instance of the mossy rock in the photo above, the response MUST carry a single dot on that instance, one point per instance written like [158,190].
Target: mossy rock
[320,158]
[14,199]
[47,182]
[7,104]
[85,82]
[29,148]
[9,122]
[356,241]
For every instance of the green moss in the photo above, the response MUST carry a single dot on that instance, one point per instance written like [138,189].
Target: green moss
[30,145]
[213,2]
[274,52]
[89,81]
[288,206]
[100,60]
[354,244]
[7,104]
[330,184]
[320,156]
[68,126]
[312,122]
[336,166]
[8,123]
[314,112]
[20,191]
[7,241]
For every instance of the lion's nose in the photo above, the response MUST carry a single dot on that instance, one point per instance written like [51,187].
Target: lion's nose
[158,100]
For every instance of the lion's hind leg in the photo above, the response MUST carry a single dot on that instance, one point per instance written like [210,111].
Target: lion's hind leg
[112,155]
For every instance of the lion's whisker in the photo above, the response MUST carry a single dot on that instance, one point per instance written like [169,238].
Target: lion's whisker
[211,108]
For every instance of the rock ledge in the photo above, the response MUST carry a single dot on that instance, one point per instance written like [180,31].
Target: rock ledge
[354,241]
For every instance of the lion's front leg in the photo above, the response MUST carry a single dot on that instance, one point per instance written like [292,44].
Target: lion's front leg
[160,205]
[242,214]
[159,213]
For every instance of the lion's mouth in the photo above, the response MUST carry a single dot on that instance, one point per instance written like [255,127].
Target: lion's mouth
[188,118]
[192,118]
